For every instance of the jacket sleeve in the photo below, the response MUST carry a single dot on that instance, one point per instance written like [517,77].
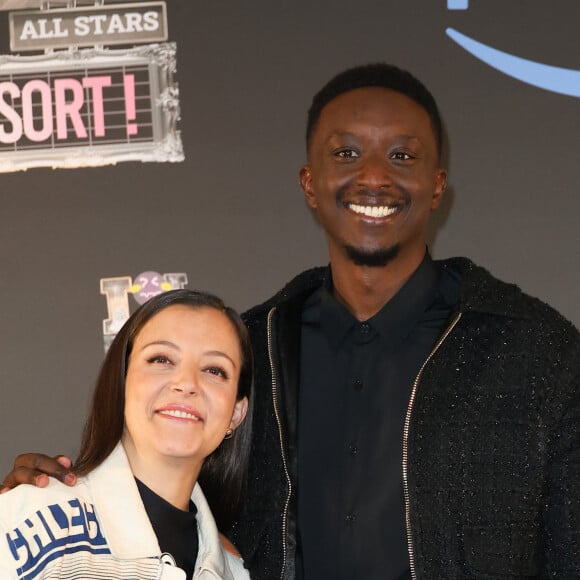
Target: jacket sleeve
[7,571]
[562,519]
[236,566]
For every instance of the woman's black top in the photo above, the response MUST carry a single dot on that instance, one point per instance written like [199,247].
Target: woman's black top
[176,530]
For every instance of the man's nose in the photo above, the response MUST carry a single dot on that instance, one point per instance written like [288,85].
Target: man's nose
[374,173]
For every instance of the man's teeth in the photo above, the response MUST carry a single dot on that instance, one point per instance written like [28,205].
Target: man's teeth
[180,414]
[372,210]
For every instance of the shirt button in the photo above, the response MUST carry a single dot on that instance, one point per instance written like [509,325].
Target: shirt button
[353,450]
[358,385]
[365,328]
[350,519]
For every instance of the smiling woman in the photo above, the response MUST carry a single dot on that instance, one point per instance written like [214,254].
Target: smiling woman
[181,395]
[169,410]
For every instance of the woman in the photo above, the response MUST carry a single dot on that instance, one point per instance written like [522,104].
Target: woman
[168,410]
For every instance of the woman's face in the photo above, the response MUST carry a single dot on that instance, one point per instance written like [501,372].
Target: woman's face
[181,386]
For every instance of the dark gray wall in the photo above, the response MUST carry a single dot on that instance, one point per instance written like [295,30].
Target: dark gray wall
[232,215]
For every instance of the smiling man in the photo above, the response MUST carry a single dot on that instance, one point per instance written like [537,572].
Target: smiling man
[413,418]
[373,179]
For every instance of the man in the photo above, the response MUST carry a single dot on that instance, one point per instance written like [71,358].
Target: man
[413,418]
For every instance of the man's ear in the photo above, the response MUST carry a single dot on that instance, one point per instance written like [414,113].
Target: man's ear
[240,410]
[440,186]
[306,185]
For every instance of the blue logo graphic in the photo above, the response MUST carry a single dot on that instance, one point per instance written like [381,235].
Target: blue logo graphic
[457,4]
[551,78]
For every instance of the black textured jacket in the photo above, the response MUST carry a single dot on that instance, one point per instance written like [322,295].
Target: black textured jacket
[491,447]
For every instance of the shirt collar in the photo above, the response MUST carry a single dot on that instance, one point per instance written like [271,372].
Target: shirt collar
[393,322]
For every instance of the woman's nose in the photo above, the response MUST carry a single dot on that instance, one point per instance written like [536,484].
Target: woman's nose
[186,384]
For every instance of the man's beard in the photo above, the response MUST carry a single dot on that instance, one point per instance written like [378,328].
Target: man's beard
[372,258]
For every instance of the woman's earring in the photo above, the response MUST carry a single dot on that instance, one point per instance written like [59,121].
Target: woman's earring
[229,434]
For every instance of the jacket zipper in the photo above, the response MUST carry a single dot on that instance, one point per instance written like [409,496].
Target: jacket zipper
[281,439]
[406,440]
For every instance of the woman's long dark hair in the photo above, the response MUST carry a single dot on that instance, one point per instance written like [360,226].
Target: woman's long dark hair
[223,473]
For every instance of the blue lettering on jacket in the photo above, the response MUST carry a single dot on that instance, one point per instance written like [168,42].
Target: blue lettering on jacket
[53,531]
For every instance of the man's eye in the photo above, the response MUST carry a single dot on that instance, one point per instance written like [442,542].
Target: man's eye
[347,154]
[159,359]
[217,371]
[401,156]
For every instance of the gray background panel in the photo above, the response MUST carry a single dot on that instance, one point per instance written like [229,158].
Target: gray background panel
[232,215]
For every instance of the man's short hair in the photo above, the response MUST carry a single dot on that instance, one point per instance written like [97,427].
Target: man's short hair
[375,75]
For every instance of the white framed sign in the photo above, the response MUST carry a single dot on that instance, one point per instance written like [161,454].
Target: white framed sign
[89,107]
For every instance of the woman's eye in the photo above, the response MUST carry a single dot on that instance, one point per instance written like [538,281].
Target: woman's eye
[217,371]
[159,359]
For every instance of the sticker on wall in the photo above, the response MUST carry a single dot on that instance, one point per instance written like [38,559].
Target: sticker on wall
[145,286]
[556,79]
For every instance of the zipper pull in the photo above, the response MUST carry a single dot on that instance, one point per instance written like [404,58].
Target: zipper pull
[168,569]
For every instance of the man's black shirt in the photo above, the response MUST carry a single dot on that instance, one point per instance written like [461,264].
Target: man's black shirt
[355,382]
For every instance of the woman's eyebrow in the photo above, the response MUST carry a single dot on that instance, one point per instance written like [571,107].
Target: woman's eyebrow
[221,354]
[161,343]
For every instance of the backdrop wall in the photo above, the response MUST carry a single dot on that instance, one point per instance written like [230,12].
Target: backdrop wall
[232,216]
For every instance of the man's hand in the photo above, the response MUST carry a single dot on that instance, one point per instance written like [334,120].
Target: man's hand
[35,469]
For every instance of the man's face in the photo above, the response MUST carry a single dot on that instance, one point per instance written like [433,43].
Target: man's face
[373,176]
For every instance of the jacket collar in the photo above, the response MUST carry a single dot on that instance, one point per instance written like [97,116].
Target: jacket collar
[211,555]
[480,291]
[125,524]
[119,508]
